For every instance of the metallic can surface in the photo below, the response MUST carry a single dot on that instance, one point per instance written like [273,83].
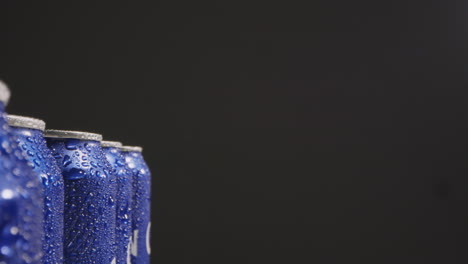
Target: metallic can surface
[89,218]
[30,138]
[141,221]
[21,201]
[124,177]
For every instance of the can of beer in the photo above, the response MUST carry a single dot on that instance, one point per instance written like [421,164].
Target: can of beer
[29,135]
[90,186]
[123,231]
[141,209]
[21,202]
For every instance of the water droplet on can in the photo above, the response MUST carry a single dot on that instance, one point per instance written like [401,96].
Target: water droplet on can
[71,144]
[66,161]
[74,174]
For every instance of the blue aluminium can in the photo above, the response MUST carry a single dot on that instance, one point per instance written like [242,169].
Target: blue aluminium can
[141,216]
[29,134]
[21,200]
[123,223]
[89,218]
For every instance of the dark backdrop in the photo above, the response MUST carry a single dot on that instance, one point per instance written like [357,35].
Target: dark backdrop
[326,132]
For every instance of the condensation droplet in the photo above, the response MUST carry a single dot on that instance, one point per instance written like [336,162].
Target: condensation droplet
[74,174]
[66,161]
[71,144]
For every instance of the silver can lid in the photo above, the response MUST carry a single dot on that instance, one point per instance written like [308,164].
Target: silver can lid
[25,122]
[52,133]
[4,93]
[131,149]
[111,144]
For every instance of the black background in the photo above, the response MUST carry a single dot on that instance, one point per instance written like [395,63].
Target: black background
[326,132]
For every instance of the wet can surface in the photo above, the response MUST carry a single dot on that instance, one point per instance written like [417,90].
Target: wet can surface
[89,212]
[21,215]
[29,135]
[141,209]
[124,178]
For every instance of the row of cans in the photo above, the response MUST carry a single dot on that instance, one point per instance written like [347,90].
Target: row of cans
[69,196]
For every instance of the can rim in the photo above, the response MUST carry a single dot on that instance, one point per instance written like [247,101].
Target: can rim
[111,144]
[131,149]
[4,93]
[25,122]
[53,133]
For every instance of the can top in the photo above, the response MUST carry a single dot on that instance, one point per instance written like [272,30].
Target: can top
[25,122]
[131,149]
[52,133]
[4,93]
[111,144]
